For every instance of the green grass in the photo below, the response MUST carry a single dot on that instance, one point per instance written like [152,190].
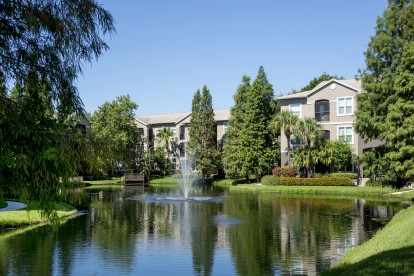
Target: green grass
[385,192]
[19,218]
[111,181]
[389,252]
[165,180]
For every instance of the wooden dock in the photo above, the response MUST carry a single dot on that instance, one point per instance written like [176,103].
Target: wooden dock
[134,179]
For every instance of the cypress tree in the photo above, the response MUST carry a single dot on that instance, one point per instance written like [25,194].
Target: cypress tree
[231,154]
[256,139]
[194,131]
[385,109]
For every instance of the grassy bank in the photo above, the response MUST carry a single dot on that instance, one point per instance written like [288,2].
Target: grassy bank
[389,252]
[381,192]
[19,218]
[116,180]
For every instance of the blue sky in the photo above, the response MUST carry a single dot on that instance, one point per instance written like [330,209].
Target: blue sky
[164,51]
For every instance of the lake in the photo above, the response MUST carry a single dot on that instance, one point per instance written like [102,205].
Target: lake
[136,231]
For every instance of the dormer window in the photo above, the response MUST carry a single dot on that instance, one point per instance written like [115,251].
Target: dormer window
[322,110]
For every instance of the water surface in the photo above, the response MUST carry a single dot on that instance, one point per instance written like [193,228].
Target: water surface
[133,231]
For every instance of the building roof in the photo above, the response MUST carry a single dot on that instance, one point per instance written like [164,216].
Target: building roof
[175,118]
[170,118]
[353,84]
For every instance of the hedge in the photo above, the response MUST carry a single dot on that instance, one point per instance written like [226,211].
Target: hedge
[349,175]
[285,171]
[375,183]
[295,181]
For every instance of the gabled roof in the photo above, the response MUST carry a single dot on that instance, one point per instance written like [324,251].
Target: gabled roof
[170,118]
[352,84]
[181,117]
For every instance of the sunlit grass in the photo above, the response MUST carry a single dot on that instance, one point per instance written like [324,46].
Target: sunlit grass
[19,218]
[112,180]
[389,252]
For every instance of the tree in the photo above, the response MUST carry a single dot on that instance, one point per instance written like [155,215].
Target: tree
[43,46]
[232,146]
[49,41]
[165,135]
[285,121]
[203,132]
[308,131]
[333,154]
[385,109]
[256,139]
[115,133]
[36,148]
[316,81]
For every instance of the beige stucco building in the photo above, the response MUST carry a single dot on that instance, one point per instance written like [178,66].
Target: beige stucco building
[179,123]
[332,103]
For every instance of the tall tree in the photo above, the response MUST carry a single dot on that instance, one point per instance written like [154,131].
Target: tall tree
[256,140]
[195,130]
[285,121]
[50,41]
[385,109]
[208,156]
[232,146]
[43,46]
[115,133]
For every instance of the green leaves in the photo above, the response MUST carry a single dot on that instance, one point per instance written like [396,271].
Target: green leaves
[114,132]
[385,109]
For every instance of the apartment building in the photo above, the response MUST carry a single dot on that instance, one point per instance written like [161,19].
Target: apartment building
[332,103]
[179,123]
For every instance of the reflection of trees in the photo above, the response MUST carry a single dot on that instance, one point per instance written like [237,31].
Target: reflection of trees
[289,234]
[203,236]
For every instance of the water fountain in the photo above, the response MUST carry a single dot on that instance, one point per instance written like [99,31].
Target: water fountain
[186,177]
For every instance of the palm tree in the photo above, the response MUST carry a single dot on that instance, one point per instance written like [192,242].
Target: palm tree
[165,135]
[286,121]
[309,131]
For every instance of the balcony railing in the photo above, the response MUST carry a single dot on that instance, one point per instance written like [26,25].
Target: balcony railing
[322,116]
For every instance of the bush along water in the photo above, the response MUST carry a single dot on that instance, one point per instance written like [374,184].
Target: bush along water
[295,181]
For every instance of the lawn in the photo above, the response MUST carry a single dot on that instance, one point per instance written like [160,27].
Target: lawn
[19,218]
[389,252]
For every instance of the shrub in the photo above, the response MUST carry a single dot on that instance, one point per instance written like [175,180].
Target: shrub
[349,175]
[295,181]
[284,171]
[375,183]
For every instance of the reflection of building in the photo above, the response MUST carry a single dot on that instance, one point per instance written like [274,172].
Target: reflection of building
[179,124]
[332,103]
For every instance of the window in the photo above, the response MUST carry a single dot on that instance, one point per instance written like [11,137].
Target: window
[326,135]
[140,132]
[174,132]
[182,132]
[225,127]
[345,106]
[295,143]
[346,134]
[296,109]
[322,110]
[182,149]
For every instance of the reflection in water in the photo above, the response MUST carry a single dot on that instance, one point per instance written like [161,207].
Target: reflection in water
[241,233]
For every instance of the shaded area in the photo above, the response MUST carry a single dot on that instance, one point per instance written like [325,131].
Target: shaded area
[391,262]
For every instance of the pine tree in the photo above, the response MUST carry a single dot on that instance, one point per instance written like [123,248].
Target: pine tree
[231,154]
[385,109]
[256,140]
[203,133]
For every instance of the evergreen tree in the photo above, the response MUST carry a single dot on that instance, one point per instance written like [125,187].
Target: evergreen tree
[231,155]
[203,133]
[385,109]
[194,131]
[256,139]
